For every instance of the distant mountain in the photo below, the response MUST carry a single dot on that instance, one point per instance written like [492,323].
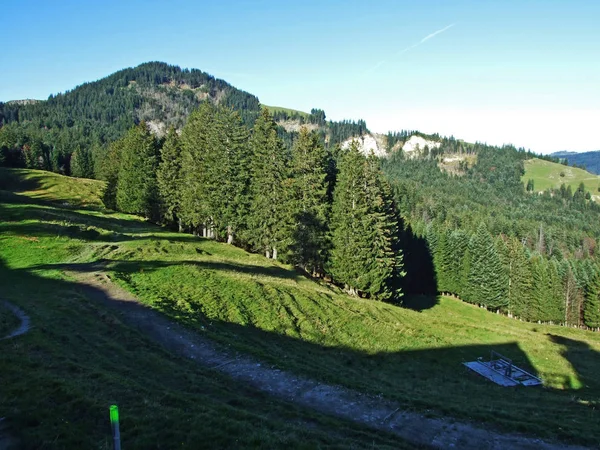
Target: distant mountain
[588,160]
[97,113]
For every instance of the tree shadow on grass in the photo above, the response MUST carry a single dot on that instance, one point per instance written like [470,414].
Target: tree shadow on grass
[430,380]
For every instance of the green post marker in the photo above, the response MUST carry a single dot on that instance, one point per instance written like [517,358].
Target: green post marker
[114,422]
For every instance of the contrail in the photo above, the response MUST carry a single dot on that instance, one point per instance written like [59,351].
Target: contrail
[435,33]
[425,39]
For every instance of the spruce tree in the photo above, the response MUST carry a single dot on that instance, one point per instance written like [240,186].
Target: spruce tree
[137,191]
[267,230]
[227,168]
[309,203]
[109,172]
[364,229]
[485,285]
[197,137]
[591,311]
[169,178]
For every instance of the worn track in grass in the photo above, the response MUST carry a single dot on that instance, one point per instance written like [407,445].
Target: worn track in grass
[373,411]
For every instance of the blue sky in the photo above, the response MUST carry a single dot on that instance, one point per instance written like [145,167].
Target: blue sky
[521,72]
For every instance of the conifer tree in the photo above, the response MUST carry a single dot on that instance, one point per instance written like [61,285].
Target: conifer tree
[268,231]
[591,312]
[197,137]
[109,172]
[137,192]
[364,228]
[81,163]
[309,203]
[169,178]
[228,169]
[485,286]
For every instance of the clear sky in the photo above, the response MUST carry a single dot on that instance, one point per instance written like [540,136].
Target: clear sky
[524,72]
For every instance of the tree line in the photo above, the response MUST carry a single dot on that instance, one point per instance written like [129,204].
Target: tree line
[329,213]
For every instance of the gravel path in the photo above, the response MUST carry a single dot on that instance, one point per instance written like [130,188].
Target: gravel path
[354,406]
[24,318]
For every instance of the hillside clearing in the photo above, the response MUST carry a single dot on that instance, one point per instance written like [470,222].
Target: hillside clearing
[259,307]
[546,175]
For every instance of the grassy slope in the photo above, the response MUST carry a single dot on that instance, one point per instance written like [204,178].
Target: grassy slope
[546,174]
[266,309]
[275,109]
[58,380]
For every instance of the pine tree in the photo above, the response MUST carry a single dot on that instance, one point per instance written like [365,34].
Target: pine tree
[591,312]
[309,203]
[81,163]
[137,192]
[364,228]
[267,231]
[485,287]
[109,172]
[169,178]
[197,137]
[228,197]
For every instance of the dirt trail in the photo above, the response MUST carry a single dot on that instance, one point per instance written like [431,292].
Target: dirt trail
[329,399]
[24,318]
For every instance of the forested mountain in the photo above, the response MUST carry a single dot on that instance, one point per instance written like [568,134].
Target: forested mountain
[45,134]
[589,161]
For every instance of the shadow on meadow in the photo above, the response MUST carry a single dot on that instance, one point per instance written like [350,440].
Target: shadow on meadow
[431,380]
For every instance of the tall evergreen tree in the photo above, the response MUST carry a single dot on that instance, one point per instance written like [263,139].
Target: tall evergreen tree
[309,203]
[228,198]
[363,229]
[485,286]
[268,231]
[591,312]
[169,178]
[197,138]
[137,191]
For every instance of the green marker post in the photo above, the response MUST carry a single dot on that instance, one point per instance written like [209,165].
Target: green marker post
[114,422]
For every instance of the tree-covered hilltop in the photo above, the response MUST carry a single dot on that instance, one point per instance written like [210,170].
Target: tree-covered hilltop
[97,113]
[83,121]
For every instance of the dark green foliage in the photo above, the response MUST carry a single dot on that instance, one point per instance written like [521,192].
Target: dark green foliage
[309,204]
[227,167]
[196,140]
[82,164]
[486,281]
[169,177]
[269,216]
[137,191]
[364,226]
[102,111]
[591,312]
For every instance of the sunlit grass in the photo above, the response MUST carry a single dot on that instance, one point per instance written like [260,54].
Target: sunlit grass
[546,174]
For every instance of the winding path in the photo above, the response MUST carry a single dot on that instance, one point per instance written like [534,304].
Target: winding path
[24,318]
[354,406]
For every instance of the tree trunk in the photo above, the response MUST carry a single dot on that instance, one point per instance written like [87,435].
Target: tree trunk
[180,224]
[274,253]
[267,254]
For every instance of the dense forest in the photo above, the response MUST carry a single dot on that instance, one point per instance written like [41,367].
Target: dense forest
[498,245]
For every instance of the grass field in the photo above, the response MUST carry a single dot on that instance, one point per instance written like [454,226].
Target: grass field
[546,174]
[266,309]
[275,109]
[58,380]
